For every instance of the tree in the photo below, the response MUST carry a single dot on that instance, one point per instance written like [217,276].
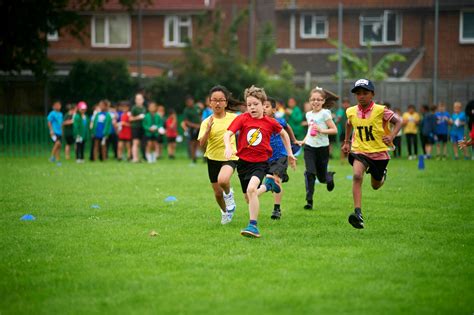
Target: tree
[23,43]
[356,67]
[266,45]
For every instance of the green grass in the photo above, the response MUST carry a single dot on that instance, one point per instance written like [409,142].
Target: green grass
[415,255]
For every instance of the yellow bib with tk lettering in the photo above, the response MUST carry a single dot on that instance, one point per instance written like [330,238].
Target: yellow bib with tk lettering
[368,132]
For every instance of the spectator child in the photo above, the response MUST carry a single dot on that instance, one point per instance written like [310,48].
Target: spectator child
[136,120]
[441,138]
[171,127]
[411,119]
[458,123]
[397,141]
[125,133]
[80,130]
[192,122]
[55,124]
[101,127]
[295,118]
[67,128]
[153,126]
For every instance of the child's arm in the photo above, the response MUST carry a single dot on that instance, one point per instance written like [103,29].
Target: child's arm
[228,147]
[332,130]
[465,143]
[346,146]
[290,132]
[50,126]
[205,136]
[286,142]
[397,122]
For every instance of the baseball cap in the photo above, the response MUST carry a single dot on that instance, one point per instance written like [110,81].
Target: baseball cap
[82,105]
[364,84]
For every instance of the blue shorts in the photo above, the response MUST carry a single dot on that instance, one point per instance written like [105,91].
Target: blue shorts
[455,138]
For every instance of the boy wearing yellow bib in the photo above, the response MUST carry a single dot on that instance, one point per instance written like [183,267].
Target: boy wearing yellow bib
[368,148]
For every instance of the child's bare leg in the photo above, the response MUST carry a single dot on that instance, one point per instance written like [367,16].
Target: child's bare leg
[96,149]
[358,176]
[135,149]
[277,198]
[252,193]
[67,151]
[455,150]
[120,150]
[219,196]
[103,148]
[128,146]
[57,150]
[224,178]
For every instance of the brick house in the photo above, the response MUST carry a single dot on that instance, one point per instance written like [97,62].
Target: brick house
[402,26]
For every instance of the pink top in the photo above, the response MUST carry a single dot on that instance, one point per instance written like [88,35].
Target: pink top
[365,113]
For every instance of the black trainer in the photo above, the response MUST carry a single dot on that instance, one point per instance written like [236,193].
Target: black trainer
[276,215]
[356,220]
[330,180]
[308,206]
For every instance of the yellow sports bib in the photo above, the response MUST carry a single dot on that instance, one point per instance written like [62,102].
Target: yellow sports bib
[367,132]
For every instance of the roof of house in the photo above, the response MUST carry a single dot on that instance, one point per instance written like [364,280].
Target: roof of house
[367,4]
[317,63]
[158,5]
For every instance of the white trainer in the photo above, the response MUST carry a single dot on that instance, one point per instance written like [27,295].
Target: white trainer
[225,218]
[229,201]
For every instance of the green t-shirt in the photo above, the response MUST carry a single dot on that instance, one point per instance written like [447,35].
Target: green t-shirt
[152,120]
[135,112]
[191,114]
[68,132]
[294,120]
[342,120]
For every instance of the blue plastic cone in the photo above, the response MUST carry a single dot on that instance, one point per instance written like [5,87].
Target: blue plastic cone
[421,162]
[28,217]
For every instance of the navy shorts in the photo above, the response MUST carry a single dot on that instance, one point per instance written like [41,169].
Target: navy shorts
[247,170]
[376,168]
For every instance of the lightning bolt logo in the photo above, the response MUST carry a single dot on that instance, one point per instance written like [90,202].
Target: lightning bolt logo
[254,137]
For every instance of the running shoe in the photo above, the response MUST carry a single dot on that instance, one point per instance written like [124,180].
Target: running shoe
[276,215]
[272,185]
[356,220]
[330,181]
[229,201]
[225,218]
[250,231]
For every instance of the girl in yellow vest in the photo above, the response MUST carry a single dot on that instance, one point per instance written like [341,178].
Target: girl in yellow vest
[368,149]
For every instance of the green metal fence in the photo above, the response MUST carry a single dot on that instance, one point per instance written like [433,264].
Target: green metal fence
[24,136]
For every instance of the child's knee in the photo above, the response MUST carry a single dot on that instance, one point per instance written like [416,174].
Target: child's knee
[357,177]
[251,190]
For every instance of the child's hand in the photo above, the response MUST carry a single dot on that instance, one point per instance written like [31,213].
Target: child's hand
[346,147]
[387,139]
[228,153]
[299,142]
[292,161]
[464,143]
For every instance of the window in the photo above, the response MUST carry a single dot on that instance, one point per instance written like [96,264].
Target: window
[313,26]
[177,30]
[111,31]
[53,36]
[466,27]
[381,29]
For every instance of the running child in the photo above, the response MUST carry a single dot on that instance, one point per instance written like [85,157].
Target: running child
[368,151]
[219,168]
[80,130]
[316,141]
[55,125]
[152,124]
[254,150]
[278,162]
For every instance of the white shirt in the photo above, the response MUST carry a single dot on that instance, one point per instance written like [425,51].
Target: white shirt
[319,118]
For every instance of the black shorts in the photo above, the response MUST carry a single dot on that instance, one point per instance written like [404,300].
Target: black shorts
[214,167]
[151,138]
[441,138]
[171,139]
[332,138]
[279,167]
[137,133]
[160,139]
[427,139]
[247,170]
[69,139]
[316,161]
[193,133]
[376,168]
[58,138]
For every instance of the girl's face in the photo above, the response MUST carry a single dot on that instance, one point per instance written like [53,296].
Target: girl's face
[267,109]
[218,102]
[254,107]
[139,100]
[82,111]
[457,108]
[317,100]
[152,108]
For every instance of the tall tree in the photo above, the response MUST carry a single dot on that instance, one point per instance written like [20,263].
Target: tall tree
[23,41]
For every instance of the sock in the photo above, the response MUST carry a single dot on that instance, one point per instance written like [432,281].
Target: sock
[253,222]
[310,202]
[148,157]
[357,210]
[276,207]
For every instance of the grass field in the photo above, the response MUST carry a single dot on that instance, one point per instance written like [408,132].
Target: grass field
[415,255]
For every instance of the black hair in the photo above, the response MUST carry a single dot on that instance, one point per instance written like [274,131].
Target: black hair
[233,105]
[387,105]
[272,101]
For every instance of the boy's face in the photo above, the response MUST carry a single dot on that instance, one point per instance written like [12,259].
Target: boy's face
[346,104]
[139,100]
[218,102]
[152,108]
[254,107]
[291,102]
[364,97]
[317,101]
[457,108]
[442,108]
[57,106]
[267,109]
[189,102]
[103,107]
